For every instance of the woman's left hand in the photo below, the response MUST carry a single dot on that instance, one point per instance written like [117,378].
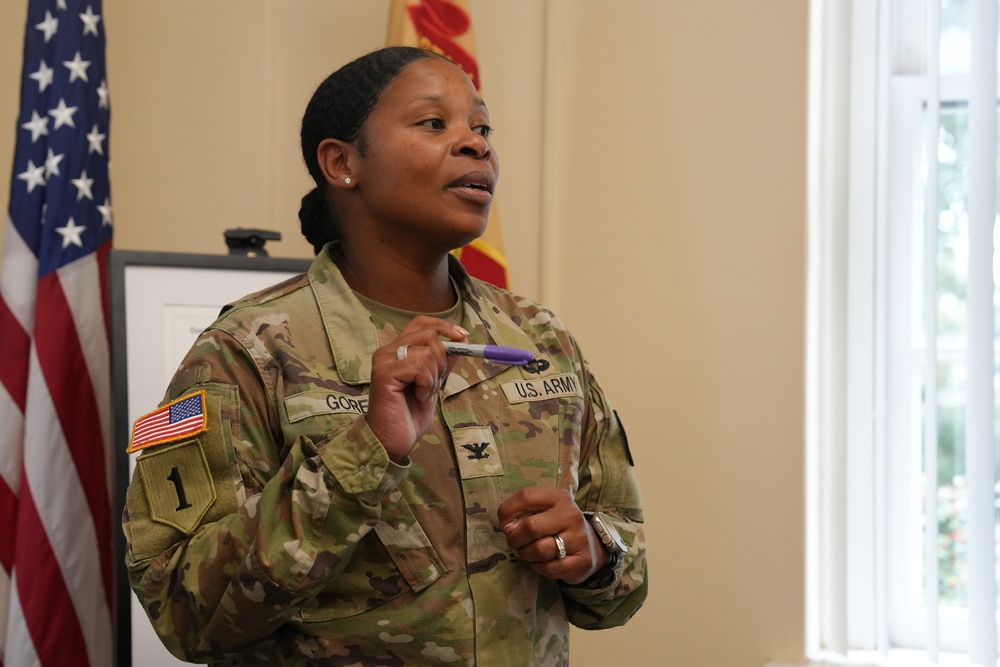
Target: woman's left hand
[533,517]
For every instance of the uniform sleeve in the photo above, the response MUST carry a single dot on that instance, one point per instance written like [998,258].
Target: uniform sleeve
[229,536]
[608,484]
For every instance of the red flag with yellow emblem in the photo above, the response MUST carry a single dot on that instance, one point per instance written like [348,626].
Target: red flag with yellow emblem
[443,26]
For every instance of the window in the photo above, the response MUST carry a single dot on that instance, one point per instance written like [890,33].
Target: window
[903,330]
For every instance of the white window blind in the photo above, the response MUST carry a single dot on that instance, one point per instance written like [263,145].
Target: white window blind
[980,428]
[903,347]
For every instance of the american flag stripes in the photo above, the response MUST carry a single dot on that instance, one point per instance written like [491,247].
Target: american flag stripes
[175,420]
[56,518]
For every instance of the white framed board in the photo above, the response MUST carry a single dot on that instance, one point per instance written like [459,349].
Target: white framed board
[160,303]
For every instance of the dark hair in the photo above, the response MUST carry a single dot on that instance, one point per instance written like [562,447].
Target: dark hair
[338,110]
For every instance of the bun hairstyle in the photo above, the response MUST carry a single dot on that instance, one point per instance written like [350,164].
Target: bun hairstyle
[338,110]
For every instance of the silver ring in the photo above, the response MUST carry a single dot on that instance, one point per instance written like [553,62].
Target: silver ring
[561,546]
[401,352]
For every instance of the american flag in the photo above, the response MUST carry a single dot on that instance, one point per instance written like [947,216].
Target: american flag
[55,494]
[179,419]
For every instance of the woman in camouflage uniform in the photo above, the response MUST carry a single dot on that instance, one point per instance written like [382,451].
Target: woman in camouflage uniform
[339,490]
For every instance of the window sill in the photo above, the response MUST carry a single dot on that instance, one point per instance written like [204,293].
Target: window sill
[896,658]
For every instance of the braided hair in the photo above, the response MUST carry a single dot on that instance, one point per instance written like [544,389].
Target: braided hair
[338,110]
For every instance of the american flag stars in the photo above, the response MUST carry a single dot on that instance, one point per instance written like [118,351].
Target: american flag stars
[71,234]
[49,27]
[63,114]
[96,139]
[62,160]
[83,186]
[43,76]
[102,96]
[38,126]
[105,210]
[58,527]
[77,67]
[33,175]
[90,20]
[52,164]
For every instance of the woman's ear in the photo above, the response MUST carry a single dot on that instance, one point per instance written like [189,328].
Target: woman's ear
[335,158]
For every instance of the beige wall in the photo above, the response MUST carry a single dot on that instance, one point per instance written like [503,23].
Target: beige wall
[652,192]
[677,251]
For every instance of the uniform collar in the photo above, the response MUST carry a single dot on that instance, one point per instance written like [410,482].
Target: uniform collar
[353,335]
[349,327]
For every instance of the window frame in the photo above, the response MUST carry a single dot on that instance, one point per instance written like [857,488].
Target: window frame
[865,552]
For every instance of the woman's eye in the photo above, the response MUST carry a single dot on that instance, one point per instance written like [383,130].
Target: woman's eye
[433,123]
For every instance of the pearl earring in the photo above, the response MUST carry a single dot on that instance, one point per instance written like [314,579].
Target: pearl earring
[347,180]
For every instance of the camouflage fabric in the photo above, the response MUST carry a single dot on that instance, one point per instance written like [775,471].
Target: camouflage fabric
[282,534]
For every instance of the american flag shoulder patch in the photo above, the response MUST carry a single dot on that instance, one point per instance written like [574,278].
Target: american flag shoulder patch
[182,418]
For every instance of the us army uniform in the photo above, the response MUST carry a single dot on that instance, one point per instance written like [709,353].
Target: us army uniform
[282,534]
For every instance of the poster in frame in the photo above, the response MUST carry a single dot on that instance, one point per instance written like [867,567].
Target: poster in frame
[159,303]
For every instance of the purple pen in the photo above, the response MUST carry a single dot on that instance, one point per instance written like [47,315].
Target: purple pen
[511,356]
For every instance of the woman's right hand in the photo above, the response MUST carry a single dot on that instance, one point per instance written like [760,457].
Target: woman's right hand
[402,398]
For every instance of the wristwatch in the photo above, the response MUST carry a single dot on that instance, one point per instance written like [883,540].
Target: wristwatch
[608,534]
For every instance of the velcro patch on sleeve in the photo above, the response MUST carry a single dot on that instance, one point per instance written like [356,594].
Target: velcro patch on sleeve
[179,419]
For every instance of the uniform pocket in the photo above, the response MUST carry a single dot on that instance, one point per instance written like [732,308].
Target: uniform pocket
[393,560]
[541,447]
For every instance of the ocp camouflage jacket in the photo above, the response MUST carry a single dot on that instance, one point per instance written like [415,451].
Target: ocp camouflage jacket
[279,532]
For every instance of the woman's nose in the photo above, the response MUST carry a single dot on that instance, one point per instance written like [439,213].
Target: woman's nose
[474,144]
